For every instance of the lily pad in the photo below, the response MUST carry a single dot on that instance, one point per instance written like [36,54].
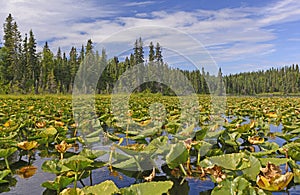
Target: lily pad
[77,162]
[7,152]
[107,187]
[234,161]
[149,188]
[3,174]
[177,155]
[59,183]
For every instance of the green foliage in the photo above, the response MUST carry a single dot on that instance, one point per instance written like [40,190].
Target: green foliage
[107,187]
[212,146]
[148,188]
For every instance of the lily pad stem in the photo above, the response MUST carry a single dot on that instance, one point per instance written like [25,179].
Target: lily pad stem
[182,169]
[198,157]
[75,181]
[7,164]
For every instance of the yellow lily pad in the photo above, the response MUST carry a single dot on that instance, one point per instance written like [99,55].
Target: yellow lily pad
[256,140]
[271,178]
[26,145]
[63,147]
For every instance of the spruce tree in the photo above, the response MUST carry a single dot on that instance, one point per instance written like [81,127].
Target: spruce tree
[12,43]
[33,64]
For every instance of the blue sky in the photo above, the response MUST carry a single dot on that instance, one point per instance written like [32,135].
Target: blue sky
[236,35]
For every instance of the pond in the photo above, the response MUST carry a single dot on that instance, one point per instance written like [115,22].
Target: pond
[191,186]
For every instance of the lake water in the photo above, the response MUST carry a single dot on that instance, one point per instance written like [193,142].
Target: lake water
[189,186]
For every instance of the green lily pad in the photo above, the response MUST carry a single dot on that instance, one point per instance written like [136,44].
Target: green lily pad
[3,174]
[7,152]
[51,131]
[177,155]
[59,183]
[293,150]
[149,188]
[107,187]
[72,191]
[234,161]
[275,161]
[238,186]
[92,154]
[77,162]
[54,166]
[296,175]
[254,169]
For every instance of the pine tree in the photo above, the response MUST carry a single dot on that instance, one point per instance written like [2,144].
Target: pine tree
[73,65]
[158,54]
[33,64]
[138,51]
[58,71]
[24,63]
[12,43]
[220,87]
[89,47]
[151,52]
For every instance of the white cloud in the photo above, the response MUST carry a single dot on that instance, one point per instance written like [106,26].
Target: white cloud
[55,19]
[281,11]
[141,3]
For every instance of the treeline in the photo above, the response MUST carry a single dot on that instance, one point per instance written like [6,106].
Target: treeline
[23,70]
[283,80]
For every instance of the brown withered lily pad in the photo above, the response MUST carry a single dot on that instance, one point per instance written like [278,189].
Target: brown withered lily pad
[271,178]
[63,147]
[256,140]
[26,172]
[216,172]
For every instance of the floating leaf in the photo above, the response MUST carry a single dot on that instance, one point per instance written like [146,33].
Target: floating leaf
[59,183]
[149,188]
[40,124]
[234,161]
[276,184]
[275,161]
[26,145]
[77,163]
[107,187]
[272,115]
[54,166]
[271,178]
[92,154]
[7,152]
[293,150]
[296,175]
[3,174]
[63,146]
[27,171]
[254,169]
[216,172]
[177,155]
[8,123]
[50,131]
[238,186]
[72,191]
[59,123]
[256,140]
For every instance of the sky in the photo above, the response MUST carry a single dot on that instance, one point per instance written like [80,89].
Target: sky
[237,36]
